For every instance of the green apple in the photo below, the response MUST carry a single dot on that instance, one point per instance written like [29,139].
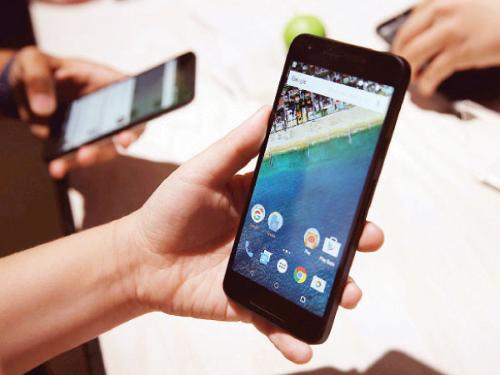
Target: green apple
[303,24]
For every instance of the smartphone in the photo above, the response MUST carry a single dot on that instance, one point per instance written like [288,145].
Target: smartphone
[331,123]
[475,84]
[122,105]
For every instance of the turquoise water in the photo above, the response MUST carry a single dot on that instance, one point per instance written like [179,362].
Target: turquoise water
[318,187]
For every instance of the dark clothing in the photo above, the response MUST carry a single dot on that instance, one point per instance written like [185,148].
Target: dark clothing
[16,30]
[8,105]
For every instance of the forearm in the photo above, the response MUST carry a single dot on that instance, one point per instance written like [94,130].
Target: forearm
[63,293]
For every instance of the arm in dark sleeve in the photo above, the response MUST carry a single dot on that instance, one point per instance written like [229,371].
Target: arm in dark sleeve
[7,103]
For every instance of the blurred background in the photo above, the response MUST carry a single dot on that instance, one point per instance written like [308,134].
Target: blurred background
[430,296]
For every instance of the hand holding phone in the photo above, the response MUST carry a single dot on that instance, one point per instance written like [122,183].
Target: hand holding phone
[123,105]
[326,141]
[40,83]
[451,46]
[444,37]
[182,237]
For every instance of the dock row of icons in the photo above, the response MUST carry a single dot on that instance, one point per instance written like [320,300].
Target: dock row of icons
[299,273]
[312,237]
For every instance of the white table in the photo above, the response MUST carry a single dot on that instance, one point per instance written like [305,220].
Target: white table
[431,293]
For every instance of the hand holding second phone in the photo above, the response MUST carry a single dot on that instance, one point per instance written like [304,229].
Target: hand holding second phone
[180,240]
[449,36]
[41,82]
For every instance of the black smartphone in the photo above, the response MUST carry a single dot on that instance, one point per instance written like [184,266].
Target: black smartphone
[475,84]
[122,105]
[331,123]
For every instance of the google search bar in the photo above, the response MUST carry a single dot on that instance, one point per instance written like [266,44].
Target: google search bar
[351,95]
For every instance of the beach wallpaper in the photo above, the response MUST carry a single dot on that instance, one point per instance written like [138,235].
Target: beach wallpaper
[308,188]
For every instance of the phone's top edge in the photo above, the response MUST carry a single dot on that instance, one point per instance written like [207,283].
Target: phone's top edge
[299,37]
[405,66]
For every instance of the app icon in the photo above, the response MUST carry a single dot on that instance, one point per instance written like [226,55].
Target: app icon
[282,265]
[318,284]
[275,221]
[265,257]
[300,275]
[311,238]
[331,246]
[258,213]
[247,249]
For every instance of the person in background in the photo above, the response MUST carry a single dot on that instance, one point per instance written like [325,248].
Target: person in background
[170,256]
[445,36]
[32,84]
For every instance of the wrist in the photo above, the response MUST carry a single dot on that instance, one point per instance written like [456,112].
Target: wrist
[127,259]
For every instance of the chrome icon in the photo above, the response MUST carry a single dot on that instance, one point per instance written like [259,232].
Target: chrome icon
[300,275]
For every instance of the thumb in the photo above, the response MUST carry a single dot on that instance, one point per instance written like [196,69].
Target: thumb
[38,81]
[221,161]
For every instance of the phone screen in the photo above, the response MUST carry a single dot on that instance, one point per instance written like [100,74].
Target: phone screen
[309,183]
[127,102]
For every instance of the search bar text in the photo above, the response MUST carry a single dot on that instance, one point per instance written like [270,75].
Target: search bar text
[351,95]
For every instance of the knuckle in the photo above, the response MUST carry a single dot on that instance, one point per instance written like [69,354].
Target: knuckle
[30,52]
[450,28]
[464,50]
[443,7]
[465,56]
[444,62]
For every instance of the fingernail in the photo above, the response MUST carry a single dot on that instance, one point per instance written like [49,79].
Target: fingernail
[42,104]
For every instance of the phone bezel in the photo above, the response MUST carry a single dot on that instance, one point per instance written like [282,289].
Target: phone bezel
[372,65]
[52,147]
[403,15]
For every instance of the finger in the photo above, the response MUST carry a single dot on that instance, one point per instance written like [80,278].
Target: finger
[351,295]
[292,349]
[138,130]
[438,70]
[58,168]
[421,49]
[372,238]
[89,75]
[242,187]
[216,165]
[87,155]
[95,153]
[419,20]
[125,138]
[40,131]
[246,181]
[36,76]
